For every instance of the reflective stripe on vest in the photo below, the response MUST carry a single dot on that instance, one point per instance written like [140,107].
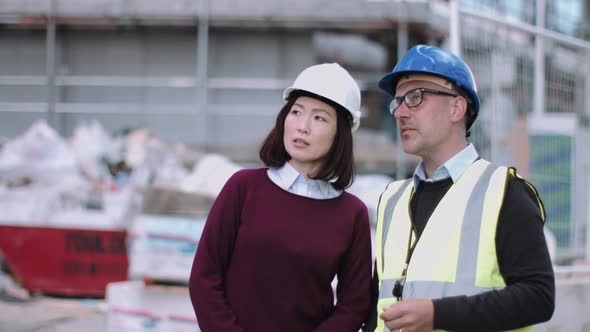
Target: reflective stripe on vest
[392,193]
[456,254]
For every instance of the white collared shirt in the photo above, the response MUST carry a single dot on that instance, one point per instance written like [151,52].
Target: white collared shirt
[289,179]
[453,168]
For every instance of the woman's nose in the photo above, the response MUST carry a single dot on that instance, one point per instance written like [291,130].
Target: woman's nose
[303,125]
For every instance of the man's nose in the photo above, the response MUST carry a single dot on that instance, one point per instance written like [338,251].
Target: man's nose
[401,111]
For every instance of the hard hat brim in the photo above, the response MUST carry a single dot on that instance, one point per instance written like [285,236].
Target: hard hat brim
[389,82]
[355,116]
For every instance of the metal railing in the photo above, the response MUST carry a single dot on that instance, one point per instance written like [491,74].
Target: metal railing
[534,108]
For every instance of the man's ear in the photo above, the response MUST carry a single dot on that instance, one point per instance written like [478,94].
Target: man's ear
[458,109]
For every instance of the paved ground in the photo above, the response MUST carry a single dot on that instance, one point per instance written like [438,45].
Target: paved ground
[47,317]
[50,315]
[20,312]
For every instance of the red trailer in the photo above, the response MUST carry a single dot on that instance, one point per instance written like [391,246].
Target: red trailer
[65,261]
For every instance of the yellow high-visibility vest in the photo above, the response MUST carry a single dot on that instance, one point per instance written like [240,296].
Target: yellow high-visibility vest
[456,253]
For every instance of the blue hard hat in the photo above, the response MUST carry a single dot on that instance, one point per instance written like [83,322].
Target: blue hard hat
[435,61]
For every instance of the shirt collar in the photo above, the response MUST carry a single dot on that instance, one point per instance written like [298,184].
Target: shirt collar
[288,176]
[453,168]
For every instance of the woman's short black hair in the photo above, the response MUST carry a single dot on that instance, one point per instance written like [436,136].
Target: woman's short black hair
[338,168]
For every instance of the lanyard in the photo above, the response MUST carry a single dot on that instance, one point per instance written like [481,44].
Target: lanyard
[398,287]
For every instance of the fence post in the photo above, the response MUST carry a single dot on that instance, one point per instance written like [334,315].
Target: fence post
[454,32]
[539,73]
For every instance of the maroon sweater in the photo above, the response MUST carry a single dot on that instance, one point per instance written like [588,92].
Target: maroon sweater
[267,257]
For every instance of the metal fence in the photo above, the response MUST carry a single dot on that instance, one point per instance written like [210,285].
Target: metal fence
[533,85]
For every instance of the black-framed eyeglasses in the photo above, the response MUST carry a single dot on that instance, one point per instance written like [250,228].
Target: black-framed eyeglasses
[414,98]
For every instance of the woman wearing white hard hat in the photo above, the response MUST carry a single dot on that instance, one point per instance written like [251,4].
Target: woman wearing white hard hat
[276,237]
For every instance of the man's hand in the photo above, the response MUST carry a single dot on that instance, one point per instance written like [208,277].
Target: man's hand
[412,315]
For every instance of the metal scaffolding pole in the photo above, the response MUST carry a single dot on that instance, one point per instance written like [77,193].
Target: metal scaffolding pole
[50,66]
[402,48]
[584,161]
[202,62]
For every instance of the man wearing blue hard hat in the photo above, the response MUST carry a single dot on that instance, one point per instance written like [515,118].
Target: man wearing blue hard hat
[460,245]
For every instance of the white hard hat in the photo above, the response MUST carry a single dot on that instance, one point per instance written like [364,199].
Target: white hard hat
[333,82]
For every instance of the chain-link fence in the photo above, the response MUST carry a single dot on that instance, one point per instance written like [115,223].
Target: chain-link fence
[533,87]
